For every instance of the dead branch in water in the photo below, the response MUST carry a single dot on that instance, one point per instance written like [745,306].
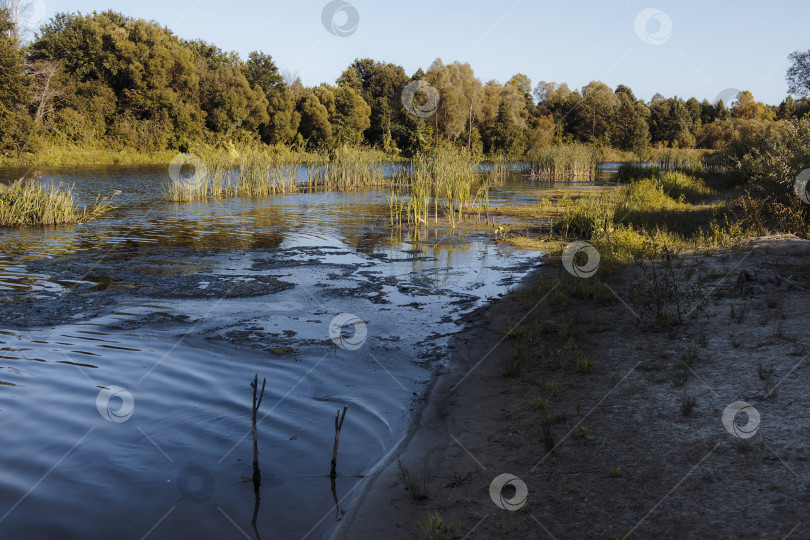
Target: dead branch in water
[257,474]
[338,425]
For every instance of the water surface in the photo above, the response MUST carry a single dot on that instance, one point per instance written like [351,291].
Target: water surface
[178,306]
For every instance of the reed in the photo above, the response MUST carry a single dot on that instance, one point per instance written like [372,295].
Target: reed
[677,158]
[347,168]
[440,180]
[564,162]
[32,202]
[259,171]
[260,174]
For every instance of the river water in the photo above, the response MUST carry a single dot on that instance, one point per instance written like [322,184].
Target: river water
[128,344]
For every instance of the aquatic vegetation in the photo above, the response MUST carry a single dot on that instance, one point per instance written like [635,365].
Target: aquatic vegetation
[564,161]
[258,171]
[677,158]
[32,202]
[348,168]
[445,180]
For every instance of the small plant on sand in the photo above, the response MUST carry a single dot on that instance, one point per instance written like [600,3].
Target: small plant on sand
[765,372]
[435,527]
[585,365]
[572,351]
[739,314]
[680,377]
[541,403]
[512,366]
[774,302]
[581,433]
[688,404]
[616,472]
[664,296]
[601,323]
[689,357]
[799,349]
[416,482]
[552,389]
[547,436]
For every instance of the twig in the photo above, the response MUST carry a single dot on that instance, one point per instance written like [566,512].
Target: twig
[338,425]
[257,474]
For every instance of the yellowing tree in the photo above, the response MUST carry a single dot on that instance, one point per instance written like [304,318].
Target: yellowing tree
[747,108]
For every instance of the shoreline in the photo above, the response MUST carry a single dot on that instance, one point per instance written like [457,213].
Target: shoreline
[630,459]
[425,423]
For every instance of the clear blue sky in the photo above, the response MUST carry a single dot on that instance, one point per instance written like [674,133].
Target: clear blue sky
[713,45]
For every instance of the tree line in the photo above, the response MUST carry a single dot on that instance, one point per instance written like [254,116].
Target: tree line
[105,79]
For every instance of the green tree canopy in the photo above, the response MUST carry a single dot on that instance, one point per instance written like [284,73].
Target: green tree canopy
[14,91]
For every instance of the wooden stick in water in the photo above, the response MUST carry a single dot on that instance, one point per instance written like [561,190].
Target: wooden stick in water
[257,474]
[338,425]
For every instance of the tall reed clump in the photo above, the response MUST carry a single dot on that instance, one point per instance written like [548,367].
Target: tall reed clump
[443,180]
[251,172]
[31,202]
[677,158]
[187,190]
[260,174]
[501,164]
[564,162]
[346,168]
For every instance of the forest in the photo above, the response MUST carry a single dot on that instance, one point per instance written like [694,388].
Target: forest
[105,80]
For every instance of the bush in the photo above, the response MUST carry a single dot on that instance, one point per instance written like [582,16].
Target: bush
[770,162]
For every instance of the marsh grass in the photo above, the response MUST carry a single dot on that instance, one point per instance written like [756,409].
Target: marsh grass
[443,184]
[672,158]
[564,162]
[58,155]
[346,169]
[32,202]
[674,209]
[260,171]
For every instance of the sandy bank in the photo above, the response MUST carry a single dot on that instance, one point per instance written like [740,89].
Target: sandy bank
[698,429]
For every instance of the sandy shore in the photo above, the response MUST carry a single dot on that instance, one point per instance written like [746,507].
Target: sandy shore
[694,430]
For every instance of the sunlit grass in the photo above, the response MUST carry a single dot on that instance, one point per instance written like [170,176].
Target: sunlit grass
[679,209]
[31,202]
